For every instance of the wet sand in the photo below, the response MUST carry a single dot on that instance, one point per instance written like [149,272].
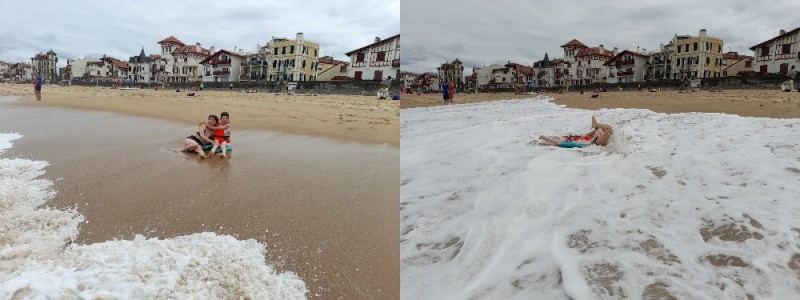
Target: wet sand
[749,103]
[345,117]
[325,208]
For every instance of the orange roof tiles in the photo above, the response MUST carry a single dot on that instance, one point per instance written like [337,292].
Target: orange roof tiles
[594,51]
[171,39]
[574,42]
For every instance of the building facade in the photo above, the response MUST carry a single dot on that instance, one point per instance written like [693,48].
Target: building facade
[46,65]
[627,66]
[484,75]
[139,68]
[376,61]
[589,67]
[452,72]
[21,72]
[180,62]
[256,64]
[549,73]
[659,63]
[329,69]
[777,54]
[697,57]
[293,60]
[222,66]
[736,64]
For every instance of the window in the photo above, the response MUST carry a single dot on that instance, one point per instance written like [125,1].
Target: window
[304,64]
[276,51]
[695,46]
[679,49]
[762,69]
[185,59]
[720,48]
[274,63]
[686,49]
[315,52]
[708,60]
[359,57]
[748,64]
[378,75]
[357,75]
[784,68]
[283,50]
[381,56]
[785,48]
[764,51]
[291,49]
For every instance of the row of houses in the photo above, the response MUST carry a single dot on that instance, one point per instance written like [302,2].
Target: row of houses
[683,57]
[280,59]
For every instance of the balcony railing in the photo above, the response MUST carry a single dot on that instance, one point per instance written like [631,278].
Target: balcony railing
[625,73]
[222,72]
[222,62]
[625,62]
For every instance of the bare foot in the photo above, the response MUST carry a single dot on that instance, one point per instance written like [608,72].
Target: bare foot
[224,155]
[594,122]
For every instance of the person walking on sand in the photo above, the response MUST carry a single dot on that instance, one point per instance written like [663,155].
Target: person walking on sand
[598,136]
[37,86]
[452,89]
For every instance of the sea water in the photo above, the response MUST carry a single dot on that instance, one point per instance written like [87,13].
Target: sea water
[690,205]
[39,260]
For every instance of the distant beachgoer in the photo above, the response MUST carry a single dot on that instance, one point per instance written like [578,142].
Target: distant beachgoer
[201,137]
[37,86]
[452,88]
[446,92]
[201,86]
[222,134]
[598,136]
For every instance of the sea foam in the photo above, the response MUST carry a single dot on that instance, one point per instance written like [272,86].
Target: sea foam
[690,206]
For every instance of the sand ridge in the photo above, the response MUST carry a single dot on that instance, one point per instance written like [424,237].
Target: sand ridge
[348,117]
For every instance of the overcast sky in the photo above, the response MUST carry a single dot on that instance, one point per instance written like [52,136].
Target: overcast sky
[479,32]
[77,29]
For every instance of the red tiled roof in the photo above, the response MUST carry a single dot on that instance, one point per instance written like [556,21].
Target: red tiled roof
[521,68]
[116,62]
[386,40]
[217,54]
[734,55]
[775,38]
[329,60]
[594,51]
[620,55]
[574,42]
[171,39]
[154,57]
[191,49]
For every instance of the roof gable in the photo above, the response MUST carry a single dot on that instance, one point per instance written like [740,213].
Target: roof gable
[775,38]
[574,42]
[386,40]
[171,39]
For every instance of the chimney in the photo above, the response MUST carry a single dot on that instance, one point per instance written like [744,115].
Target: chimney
[601,48]
[781,32]
[703,32]
[198,44]
[614,51]
[299,36]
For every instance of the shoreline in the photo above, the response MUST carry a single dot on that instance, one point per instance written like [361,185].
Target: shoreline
[746,103]
[360,119]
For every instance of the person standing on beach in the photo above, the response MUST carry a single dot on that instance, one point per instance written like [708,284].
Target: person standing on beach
[37,86]
[446,92]
[452,88]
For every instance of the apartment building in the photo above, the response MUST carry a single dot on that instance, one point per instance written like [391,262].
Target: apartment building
[659,63]
[222,66]
[626,66]
[697,56]
[293,60]
[46,65]
[451,72]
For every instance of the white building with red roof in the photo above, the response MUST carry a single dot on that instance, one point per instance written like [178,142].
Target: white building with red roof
[376,61]
[222,66]
[585,65]
[777,54]
[180,62]
[626,66]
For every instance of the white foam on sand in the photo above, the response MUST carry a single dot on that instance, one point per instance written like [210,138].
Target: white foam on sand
[693,205]
[39,261]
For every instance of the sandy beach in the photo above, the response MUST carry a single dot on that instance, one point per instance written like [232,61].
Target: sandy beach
[361,118]
[324,202]
[748,103]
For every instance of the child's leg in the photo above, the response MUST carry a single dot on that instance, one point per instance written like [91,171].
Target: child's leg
[224,146]
[215,144]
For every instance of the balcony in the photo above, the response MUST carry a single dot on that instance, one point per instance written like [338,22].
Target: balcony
[625,73]
[222,73]
[624,62]
[221,62]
